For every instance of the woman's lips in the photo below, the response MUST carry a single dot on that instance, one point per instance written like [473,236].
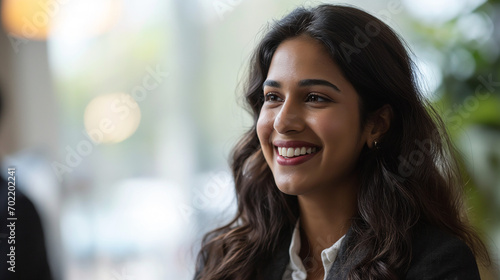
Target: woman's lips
[294,155]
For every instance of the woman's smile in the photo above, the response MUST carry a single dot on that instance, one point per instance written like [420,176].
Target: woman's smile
[294,152]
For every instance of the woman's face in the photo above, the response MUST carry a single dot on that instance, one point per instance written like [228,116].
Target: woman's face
[309,125]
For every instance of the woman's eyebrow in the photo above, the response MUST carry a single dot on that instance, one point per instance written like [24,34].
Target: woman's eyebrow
[302,83]
[271,83]
[315,82]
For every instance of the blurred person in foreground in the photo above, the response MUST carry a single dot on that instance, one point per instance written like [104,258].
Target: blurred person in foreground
[347,171]
[23,254]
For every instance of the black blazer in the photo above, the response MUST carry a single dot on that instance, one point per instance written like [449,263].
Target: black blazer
[31,261]
[436,255]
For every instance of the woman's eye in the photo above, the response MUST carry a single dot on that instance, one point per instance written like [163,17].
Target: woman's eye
[316,98]
[272,97]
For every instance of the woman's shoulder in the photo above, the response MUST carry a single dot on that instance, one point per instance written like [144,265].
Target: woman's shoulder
[438,254]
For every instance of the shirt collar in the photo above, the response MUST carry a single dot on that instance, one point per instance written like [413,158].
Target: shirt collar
[328,255]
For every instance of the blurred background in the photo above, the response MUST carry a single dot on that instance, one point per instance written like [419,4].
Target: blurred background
[120,116]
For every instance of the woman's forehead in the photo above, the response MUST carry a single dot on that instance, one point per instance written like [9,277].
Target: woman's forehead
[302,58]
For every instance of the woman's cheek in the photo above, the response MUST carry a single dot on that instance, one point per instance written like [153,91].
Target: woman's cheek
[265,125]
[325,125]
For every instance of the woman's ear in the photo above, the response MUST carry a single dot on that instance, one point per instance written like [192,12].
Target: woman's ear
[379,123]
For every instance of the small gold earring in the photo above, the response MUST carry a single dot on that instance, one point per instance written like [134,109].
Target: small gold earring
[375,144]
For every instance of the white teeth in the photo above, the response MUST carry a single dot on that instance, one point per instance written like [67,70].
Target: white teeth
[293,152]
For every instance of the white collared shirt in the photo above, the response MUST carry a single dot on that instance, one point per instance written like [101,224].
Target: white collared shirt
[295,269]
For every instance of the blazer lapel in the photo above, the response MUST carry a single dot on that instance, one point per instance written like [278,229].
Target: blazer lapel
[341,267]
[278,263]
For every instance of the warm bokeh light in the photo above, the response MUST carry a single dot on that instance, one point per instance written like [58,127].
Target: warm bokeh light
[38,20]
[112,118]
[30,19]
[86,18]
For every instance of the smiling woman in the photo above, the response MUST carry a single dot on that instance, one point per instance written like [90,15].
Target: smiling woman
[347,172]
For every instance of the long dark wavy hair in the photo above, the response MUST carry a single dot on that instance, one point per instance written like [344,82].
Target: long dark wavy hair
[412,177]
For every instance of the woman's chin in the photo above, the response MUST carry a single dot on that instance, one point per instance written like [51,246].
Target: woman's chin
[292,189]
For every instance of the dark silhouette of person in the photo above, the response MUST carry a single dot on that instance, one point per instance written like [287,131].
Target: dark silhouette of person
[28,260]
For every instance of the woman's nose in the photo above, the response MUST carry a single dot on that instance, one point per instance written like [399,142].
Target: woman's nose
[289,118]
